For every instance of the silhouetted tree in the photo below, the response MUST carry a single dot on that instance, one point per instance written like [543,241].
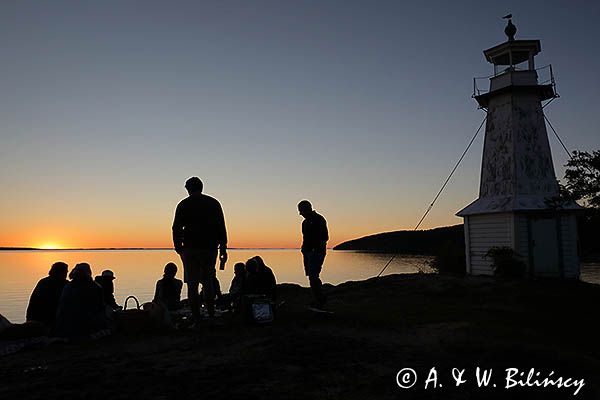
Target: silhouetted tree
[583,178]
[582,183]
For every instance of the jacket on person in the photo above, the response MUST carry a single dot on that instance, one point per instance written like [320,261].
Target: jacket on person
[199,223]
[44,299]
[108,290]
[81,309]
[168,292]
[252,284]
[237,286]
[261,282]
[265,280]
[314,233]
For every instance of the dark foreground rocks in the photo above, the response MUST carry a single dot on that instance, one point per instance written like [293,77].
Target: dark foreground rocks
[379,327]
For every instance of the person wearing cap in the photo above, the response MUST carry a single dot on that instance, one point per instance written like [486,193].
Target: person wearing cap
[314,247]
[168,289]
[198,233]
[81,308]
[108,288]
[44,298]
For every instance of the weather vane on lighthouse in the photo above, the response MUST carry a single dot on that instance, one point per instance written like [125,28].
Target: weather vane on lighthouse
[510,29]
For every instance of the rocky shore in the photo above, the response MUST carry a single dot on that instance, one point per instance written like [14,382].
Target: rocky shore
[379,327]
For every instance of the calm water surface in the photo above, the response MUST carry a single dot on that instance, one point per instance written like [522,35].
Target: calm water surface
[138,270]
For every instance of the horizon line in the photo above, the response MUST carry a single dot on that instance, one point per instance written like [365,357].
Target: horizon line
[26,248]
[14,248]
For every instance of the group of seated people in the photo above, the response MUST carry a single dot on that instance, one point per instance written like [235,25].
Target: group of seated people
[251,278]
[82,305]
[75,307]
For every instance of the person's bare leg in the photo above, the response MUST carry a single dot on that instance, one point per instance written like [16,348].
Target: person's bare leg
[194,298]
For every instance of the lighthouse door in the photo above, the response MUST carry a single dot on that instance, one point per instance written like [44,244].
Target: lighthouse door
[544,247]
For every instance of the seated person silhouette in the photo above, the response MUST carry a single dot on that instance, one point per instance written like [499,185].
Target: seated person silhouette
[168,289]
[266,279]
[237,283]
[108,289]
[81,308]
[44,298]
[260,279]
[232,299]
[251,283]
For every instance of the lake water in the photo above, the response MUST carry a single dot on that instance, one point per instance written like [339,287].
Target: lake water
[138,270]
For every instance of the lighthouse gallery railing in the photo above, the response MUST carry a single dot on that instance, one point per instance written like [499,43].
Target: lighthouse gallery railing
[545,76]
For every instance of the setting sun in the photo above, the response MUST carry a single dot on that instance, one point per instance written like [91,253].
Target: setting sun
[49,246]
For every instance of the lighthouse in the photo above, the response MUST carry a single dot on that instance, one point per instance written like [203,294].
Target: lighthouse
[517,174]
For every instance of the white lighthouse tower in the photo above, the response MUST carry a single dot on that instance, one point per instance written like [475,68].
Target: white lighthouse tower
[517,174]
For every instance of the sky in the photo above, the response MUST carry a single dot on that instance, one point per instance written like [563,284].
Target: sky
[362,107]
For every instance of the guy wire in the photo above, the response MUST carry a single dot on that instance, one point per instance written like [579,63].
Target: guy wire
[441,189]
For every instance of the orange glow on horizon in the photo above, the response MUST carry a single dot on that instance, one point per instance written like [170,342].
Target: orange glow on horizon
[242,234]
[100,242]
[50,246]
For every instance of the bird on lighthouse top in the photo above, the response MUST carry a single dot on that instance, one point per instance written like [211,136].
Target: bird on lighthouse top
[510,29]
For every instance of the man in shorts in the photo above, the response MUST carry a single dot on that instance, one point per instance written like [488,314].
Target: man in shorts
[198,234]
[314,247]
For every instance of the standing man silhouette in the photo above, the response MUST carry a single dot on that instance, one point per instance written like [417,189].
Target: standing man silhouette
[198,232]
[314,247]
